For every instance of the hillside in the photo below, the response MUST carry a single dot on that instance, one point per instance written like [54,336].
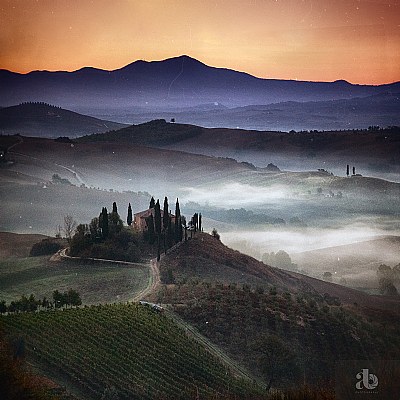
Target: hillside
[232,300]
[289,150]
[157,132]
[175,82]
[126,351]
[14,245]
[44,120]
[205,258]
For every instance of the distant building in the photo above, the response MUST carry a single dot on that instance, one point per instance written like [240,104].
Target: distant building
[140,219]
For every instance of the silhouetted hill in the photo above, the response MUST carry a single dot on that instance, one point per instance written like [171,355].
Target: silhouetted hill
[45,120]
[157,132]
[175,82]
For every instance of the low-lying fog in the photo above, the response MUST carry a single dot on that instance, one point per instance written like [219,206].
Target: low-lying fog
[235,195]
[348,236]
[297,240]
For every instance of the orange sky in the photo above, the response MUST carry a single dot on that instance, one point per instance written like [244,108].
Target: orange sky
[307,40]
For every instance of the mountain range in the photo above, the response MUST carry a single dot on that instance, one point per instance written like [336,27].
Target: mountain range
[172,83]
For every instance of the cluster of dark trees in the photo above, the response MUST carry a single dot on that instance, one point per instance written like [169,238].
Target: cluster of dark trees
[388,279]
[70,298]
[46,246]
[57,180]
[281,259]
[166,229]
[36,103]
[105,237]
[31,304]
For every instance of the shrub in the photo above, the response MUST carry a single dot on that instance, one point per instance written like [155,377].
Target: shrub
[215,234]
[45,247]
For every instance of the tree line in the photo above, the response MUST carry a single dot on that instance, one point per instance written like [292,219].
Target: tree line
[69,298]
[166,229]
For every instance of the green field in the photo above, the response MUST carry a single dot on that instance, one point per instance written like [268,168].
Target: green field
[129,350]
[97,283]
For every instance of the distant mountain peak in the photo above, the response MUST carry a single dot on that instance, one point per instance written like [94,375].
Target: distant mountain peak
[185,59]
[342,82]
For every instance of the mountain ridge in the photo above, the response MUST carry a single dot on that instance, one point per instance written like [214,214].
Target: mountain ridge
[174,81]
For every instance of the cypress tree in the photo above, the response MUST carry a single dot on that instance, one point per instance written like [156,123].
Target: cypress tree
[165,214]
[165,221]
[200,227]
[129,217]
[157,218]
[178,222]
[104,223]
[157,226]
[152,202]
[195,221]
[150,228]
[115,210]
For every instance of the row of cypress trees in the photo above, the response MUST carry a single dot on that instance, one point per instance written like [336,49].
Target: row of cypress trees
[162,227]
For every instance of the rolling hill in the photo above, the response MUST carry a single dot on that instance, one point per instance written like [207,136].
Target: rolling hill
[44,120]
[372,151]
[175,82]
[242,304]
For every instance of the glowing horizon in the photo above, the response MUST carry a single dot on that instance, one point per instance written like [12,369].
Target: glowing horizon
[353,40]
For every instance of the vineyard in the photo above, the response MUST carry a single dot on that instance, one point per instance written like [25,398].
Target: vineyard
[125,349]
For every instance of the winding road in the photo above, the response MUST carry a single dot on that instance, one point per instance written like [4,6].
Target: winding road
[74,173]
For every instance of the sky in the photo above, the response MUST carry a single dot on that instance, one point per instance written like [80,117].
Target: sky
[321,40]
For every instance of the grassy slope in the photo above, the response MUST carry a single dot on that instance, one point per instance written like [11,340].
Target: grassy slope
[205,258]
[139,353]
[317,331]
[14,245]
[96,283]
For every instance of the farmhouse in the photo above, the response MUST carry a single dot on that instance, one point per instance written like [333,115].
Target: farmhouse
[140,219]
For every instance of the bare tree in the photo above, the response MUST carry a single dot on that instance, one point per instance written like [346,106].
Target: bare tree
[69,226]
[58,231]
